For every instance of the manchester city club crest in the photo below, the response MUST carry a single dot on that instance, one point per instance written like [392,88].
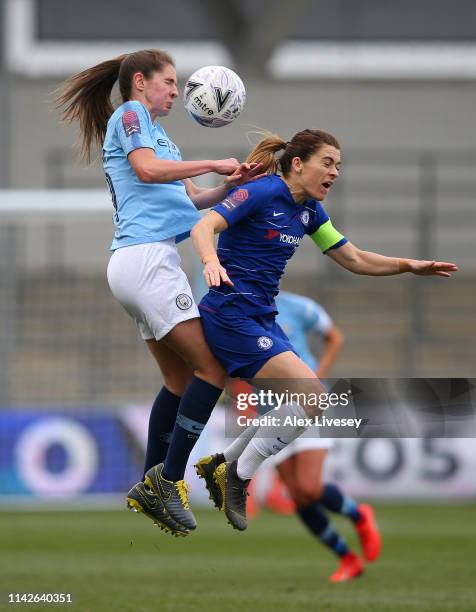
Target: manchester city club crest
[305,217]
[264,343]
[183,301]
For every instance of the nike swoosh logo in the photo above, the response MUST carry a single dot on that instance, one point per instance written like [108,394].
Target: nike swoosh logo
[154,503]
[275,214]
[165,496]
[282,441]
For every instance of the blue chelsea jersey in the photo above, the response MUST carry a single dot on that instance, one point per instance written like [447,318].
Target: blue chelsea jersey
[299,316]
[265,227]
[144,212]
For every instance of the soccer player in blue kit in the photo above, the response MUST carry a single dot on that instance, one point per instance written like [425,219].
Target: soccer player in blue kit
[155,206]
[261,225]
[300,465]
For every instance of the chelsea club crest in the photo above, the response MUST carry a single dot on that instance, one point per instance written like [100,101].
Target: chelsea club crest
[305,217]
[264,343]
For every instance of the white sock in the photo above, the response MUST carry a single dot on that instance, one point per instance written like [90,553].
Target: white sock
[260,448]
[234,450]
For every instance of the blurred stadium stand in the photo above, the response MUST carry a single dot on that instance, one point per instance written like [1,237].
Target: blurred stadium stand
[408,133]
[65,341]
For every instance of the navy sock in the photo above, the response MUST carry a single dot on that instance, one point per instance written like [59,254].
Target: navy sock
[333,499]
[318,523]
[194,411]
[161,424]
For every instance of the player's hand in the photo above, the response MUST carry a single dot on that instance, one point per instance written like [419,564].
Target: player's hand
[432,268]
[245,173]
[215,274]
[226,166]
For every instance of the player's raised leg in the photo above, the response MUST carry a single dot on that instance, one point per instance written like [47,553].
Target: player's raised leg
[302,475]
[176,374]
[284,372]
[196,405]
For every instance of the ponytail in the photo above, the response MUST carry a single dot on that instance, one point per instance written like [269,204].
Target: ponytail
[86,96]
[265,153]
[302,145]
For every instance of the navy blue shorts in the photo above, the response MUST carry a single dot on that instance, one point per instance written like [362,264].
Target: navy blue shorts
[243,344]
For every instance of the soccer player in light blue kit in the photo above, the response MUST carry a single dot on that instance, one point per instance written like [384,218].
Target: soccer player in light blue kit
[155,206]
[299,317]
[300,465]
[261,225]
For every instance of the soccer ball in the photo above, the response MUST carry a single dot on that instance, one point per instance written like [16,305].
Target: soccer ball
[214,96]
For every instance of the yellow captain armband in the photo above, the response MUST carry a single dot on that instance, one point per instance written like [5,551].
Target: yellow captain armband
[326,236]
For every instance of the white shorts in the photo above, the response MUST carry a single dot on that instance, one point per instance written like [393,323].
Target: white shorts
[303,443]
[149,283]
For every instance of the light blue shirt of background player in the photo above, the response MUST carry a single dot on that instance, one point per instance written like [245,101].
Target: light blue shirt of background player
[299,316]
[144,212]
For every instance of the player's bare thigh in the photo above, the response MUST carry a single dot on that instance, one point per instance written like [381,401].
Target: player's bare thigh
[287,373]
[176,373]
[285,365]
[187,340]
[302,474]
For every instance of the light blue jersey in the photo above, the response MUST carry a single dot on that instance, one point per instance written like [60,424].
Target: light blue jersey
[144,212]
[299,315]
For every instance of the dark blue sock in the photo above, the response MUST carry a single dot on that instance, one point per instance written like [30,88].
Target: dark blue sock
[194,411]
[333,499]
[318,523]
[161,424]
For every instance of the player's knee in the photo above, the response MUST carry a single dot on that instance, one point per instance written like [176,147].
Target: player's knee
[176,389]
[211,371]
[177,382]
[305,491]
[293,493]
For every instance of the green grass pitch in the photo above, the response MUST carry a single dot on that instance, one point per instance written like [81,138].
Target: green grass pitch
[119,561]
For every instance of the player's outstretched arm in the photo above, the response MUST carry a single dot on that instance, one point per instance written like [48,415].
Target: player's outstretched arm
[150,169]
[373,264]
[203,238]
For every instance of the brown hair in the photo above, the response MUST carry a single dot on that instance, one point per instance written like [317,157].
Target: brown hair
[86,96]
[302,145]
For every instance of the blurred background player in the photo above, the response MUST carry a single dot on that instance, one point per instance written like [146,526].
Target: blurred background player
[300,465]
